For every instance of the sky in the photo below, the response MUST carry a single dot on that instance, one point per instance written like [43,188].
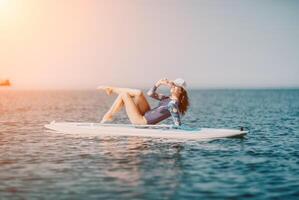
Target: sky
[80,44]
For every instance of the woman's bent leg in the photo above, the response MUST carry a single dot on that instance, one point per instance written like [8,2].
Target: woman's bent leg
[116,107]
[142,103]
[132,109]
[118,90]
[135,94]
[138,95]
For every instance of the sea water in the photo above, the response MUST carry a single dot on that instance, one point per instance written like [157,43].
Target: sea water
[38,164]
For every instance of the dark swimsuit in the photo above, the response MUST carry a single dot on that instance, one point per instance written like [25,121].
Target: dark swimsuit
[166,108]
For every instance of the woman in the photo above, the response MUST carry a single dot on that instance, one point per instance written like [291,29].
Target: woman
[138,109]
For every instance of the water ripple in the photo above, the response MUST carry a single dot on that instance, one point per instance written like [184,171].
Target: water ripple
[38,164]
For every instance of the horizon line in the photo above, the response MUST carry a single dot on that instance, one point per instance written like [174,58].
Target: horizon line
[145,88]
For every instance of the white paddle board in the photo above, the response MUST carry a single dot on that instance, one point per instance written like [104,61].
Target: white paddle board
[153,131]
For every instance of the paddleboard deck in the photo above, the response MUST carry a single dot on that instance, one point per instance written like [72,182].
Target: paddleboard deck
[153,131]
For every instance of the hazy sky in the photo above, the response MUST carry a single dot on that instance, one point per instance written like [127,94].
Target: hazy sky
[85,43]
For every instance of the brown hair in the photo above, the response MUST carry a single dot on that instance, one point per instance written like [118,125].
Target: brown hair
[183,101]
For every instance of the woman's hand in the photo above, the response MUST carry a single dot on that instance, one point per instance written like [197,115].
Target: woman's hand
[162,81]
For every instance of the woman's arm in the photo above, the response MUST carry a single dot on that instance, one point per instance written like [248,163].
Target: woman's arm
[174,111]
[152,92]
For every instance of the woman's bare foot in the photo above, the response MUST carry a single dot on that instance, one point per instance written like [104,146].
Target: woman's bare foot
[107,117]
[108,89]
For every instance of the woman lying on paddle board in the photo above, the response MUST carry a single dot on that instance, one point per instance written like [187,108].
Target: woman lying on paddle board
[138,108]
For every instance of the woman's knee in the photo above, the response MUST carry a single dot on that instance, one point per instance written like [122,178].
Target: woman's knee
[138,92]
[124,94]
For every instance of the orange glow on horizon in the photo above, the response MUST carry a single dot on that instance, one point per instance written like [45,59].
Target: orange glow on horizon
[43,40]
[82,44]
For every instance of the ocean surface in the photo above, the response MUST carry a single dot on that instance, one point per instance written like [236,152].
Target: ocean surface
[38,164]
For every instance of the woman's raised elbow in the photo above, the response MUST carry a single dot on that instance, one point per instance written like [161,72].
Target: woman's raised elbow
[150,93]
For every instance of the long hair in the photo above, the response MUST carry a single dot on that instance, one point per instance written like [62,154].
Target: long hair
[183,101]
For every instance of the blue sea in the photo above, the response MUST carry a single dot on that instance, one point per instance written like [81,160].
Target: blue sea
[38,164]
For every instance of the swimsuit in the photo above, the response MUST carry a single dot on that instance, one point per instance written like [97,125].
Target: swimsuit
[167,107]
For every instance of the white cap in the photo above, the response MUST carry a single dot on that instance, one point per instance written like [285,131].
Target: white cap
[181,83]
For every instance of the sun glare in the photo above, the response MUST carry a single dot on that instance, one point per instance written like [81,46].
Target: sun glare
[3,4]
[9,13]
[5,8]
[9,7]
